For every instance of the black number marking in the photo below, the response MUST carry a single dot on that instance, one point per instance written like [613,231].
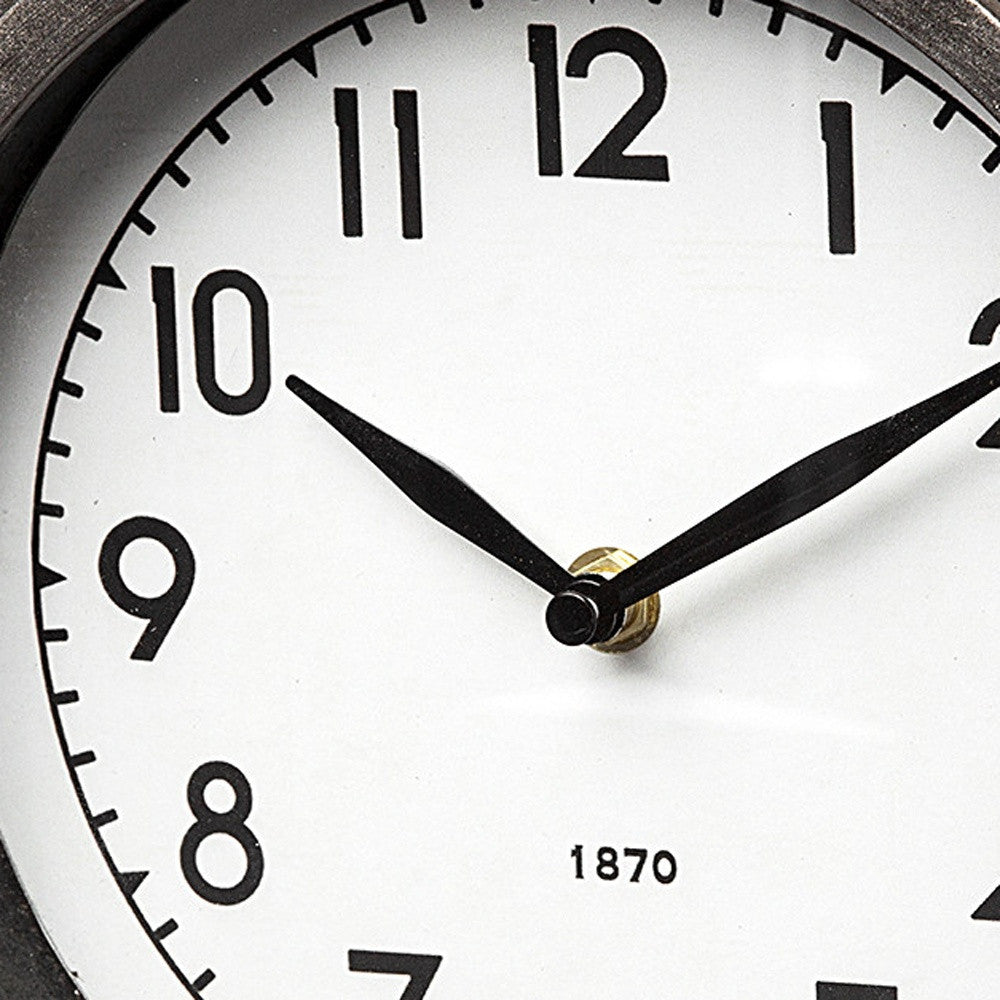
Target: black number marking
[609,159]
[204,343]
[542,54]
[640,854]
[982,336]
[420,968]
[231,824]
[664,867]
[345,116]
[160,612]
[850,991]
[406,119]
[165,299]
[608,866]
[837,129]
[404,106]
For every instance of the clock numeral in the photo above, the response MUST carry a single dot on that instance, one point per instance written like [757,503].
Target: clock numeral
[231,823]
[609,864]
[837,130]
[852,991]
[345,117]
[160,612]
[406,119]
[983,332]
[420,968]
[204,319]
[609,159]
[543,55]
[165,302]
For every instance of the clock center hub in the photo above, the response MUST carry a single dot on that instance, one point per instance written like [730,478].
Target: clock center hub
[575,617]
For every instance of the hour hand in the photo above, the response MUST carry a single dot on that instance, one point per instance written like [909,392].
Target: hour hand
[438,492]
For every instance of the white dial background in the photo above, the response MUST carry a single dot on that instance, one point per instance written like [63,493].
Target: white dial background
[812,731]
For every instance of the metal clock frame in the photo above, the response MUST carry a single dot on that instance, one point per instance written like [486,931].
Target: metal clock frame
[54,54]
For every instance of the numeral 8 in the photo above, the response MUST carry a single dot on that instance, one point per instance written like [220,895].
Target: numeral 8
[231,823]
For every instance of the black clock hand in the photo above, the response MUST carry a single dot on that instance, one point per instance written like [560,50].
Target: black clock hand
[439,492]
[588,613]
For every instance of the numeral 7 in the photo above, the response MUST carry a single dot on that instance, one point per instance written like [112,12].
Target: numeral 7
[640,853]
[420,968]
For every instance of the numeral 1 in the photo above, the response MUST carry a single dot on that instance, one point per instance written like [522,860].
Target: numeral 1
[837,124]
[404,109]
[165,302]
[405,117]
[345,116]
[542,55]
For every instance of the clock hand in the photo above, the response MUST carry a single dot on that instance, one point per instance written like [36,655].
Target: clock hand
[589,611]
[439,492]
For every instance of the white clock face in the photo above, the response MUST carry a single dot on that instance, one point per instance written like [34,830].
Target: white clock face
[276,732]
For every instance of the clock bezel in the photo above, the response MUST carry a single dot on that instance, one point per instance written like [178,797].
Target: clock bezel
[54,54]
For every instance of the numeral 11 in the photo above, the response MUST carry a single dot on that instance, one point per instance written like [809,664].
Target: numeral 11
[405,118]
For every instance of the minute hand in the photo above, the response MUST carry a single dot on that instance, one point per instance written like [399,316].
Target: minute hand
[790,494]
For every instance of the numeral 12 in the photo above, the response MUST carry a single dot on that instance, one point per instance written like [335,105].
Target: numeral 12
[405,118]
[609,158]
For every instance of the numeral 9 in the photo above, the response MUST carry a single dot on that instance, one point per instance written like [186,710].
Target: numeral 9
[160,612]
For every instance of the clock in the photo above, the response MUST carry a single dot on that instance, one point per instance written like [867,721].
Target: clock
[500,498]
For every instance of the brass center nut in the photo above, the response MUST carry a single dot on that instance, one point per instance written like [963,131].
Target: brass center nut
[640,619]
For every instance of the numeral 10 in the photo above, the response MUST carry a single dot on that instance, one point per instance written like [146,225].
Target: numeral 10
[164,283]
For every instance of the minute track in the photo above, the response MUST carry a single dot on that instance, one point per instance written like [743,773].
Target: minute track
[174,172]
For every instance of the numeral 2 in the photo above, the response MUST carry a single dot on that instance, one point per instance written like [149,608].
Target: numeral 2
[405,118]
[983,334]
[609,158]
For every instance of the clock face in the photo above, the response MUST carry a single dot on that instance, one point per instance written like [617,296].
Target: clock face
[275,731]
